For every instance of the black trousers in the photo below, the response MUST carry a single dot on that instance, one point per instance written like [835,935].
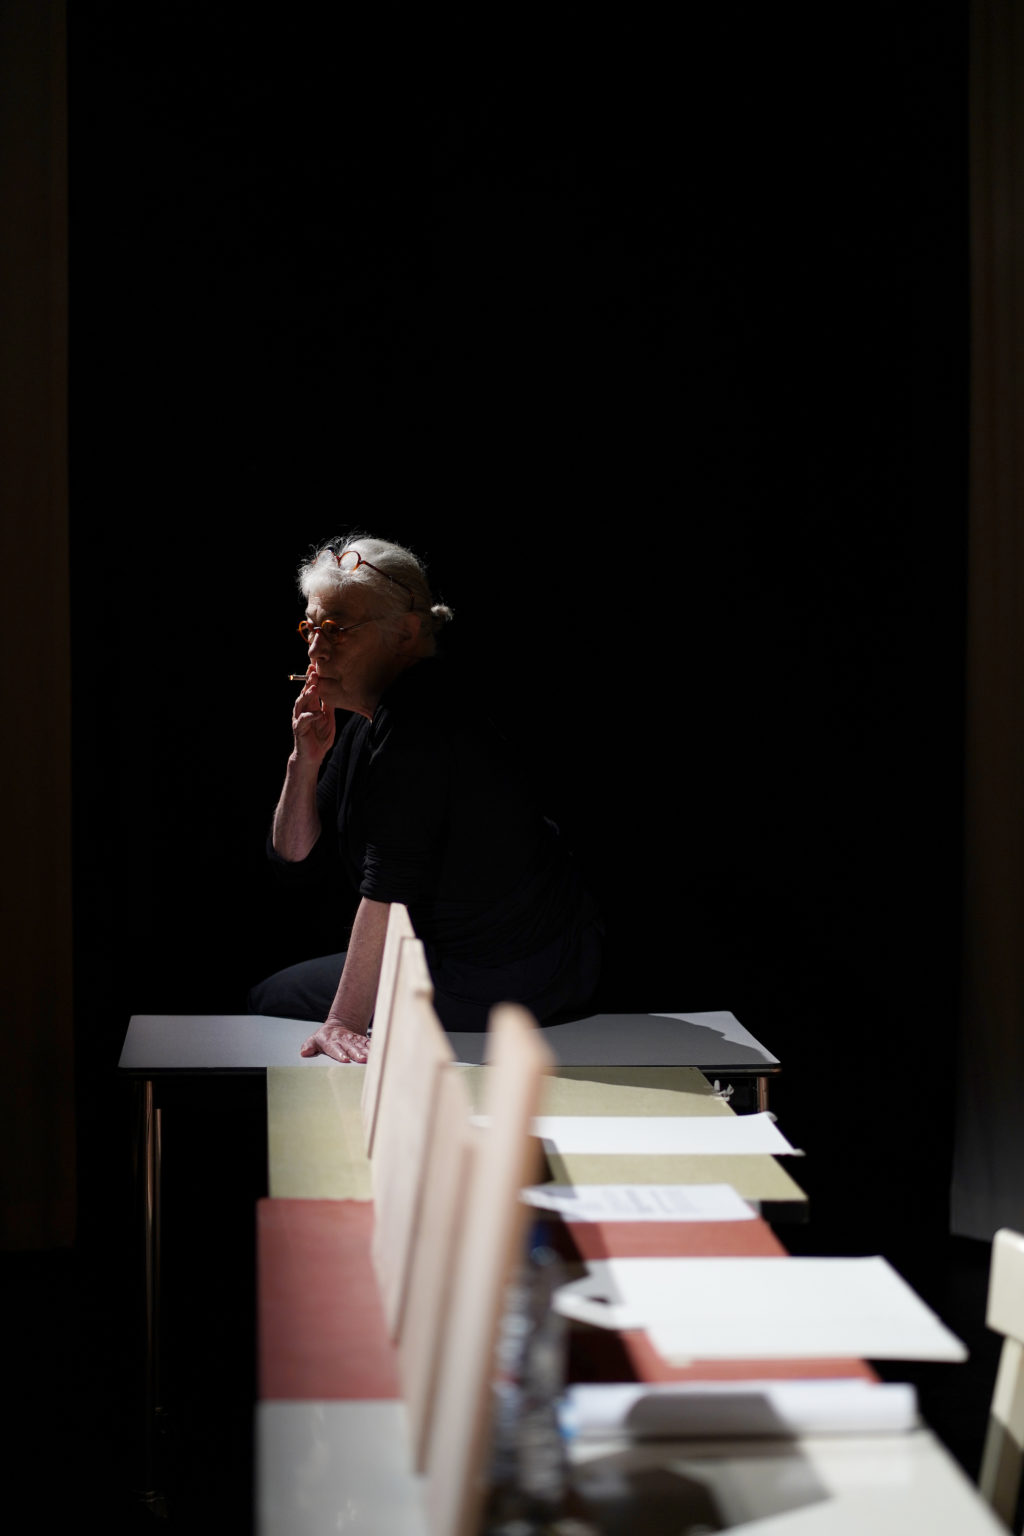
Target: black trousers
[553,984]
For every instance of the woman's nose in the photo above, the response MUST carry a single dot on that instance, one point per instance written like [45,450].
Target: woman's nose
[318,644]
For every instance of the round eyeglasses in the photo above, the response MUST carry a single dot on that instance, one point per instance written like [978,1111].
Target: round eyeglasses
[350,560]
[328,629]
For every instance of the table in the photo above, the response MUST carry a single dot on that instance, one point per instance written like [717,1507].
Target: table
[839,1485]
[174,1044]
[885,1485]
[333,1445]
[161,1048]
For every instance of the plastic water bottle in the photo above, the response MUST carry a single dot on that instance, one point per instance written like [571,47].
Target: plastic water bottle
[529,1470]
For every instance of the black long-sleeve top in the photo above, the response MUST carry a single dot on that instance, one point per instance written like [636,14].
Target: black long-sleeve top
[428,806]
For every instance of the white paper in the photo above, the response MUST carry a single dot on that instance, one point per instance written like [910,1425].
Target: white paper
[661,1135]
[640,1202]
[713,1409]
[758,1308]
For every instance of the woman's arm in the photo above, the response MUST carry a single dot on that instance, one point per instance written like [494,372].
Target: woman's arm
[296,819]
[343,1035]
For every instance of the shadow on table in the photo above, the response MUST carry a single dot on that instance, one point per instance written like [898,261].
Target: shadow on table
[666,1489]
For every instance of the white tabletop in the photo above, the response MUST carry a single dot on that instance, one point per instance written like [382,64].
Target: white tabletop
[336,1466]
[252,1042]
[841,1485]
[712,1042]
[325,1467]
[214,1042]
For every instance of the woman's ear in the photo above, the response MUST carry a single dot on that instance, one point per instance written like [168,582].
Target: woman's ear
[410,632]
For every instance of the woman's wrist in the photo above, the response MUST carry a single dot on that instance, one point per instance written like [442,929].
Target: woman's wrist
[296,825]
[340,1023]
[302,768]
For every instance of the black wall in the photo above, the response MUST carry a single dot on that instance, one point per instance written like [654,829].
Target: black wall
[653,342]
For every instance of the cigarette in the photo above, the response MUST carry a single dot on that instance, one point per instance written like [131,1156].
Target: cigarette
[296,677]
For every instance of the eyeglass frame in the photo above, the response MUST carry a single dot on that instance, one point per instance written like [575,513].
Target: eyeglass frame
[361,561]
[329,635]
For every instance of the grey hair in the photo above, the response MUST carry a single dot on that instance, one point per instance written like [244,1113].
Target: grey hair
[392,560]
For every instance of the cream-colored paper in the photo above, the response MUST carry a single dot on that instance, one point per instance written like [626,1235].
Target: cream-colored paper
[315,1148]
[616,1091]
[755,1178]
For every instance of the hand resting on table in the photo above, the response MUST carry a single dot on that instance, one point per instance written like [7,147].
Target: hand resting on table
[337,1041]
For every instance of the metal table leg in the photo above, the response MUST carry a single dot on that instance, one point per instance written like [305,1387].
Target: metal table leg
[148,1183]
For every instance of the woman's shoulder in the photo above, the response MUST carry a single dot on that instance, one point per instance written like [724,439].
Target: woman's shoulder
[429,690]
[432,703]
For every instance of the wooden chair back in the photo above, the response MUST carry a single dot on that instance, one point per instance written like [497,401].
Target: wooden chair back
[999,1479]
[399,929]
[417,1050]
[424,1334]
[505,1158]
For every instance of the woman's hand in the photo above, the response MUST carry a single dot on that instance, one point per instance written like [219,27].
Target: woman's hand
[337,1041]
[312,724]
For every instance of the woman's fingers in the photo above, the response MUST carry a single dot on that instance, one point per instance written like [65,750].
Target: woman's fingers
[312,723]
[307,699]
[334,1040]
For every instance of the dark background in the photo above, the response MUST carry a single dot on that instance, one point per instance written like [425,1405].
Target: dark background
[653,343]
[652,340]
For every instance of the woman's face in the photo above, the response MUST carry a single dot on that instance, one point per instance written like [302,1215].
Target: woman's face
[353,668]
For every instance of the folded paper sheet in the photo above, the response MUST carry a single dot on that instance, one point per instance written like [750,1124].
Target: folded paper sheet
[663,1134]
[725,1409]
[640,1202]
[749,1309]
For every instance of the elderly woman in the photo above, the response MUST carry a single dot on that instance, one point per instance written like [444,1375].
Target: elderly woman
[418,797]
